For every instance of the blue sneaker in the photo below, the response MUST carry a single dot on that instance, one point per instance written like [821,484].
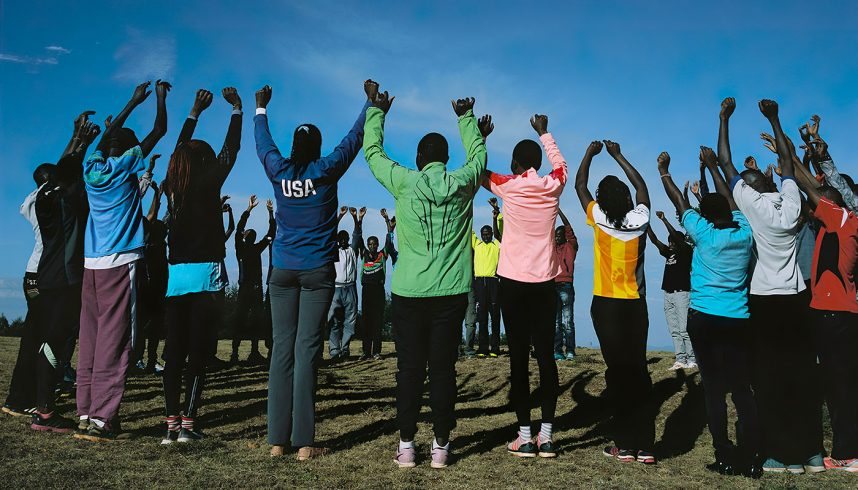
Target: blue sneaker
[816,464]
[558,356]
[774,466]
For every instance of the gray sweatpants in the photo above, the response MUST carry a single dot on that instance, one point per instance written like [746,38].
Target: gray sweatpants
[299,303]
[676,313]
[342,331]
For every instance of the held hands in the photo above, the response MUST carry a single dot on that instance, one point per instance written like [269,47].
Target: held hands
[594,149]
[614,148]
[370,88]
[230,94]
[201,102]
[728,105]
[663,162]
[462,106]
[383,100]
[769,108]
[263,97]
[539,123]
[486,125]
[161,89]
[141,93]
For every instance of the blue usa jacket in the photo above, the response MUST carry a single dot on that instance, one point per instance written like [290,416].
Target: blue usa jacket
[306,197]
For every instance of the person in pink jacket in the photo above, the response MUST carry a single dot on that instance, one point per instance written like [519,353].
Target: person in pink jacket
[527,268]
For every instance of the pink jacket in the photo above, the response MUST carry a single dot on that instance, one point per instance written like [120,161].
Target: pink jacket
[530,210]
[566,254]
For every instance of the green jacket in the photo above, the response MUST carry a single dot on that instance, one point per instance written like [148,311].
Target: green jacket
[434,212]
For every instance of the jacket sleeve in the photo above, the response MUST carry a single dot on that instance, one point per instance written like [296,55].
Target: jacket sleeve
[559,170]
[834,179]
[388,173]
[271,158]
[475,149]
[231,145]
[335,164]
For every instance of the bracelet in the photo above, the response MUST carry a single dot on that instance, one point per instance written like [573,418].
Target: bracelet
[665,175]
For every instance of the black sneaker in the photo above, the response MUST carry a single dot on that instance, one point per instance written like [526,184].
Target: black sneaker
[171,437]
[646,457]
[97,434]
[624,455]
[546,448]
[189,435]
[722,468]
[52,423]
[255,358]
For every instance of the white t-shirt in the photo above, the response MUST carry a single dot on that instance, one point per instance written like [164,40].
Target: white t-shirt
[774,221]
[346,267]
[28,210]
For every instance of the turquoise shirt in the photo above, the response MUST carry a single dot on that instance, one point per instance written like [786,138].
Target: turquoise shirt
[720,265]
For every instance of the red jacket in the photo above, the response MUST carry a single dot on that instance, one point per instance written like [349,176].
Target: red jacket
[565,254]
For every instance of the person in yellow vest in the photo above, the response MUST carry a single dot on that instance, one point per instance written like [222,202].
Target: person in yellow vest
[486,255]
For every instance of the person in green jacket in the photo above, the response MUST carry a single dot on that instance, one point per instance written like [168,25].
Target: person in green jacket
[434,208]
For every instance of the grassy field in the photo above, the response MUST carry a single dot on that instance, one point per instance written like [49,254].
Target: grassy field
[355,419]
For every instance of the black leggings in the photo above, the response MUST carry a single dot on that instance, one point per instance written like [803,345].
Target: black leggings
[248,304]
[59,317]
[190,323]
[621,326]
[372,303]
[528,314]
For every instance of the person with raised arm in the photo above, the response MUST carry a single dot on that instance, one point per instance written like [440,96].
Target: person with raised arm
[565,249]
[248,253]
[302,282]
[834,311]
[676,284]
[619,309]
[718,318]
[113,249]
[486,255]
[342,315]
[527,268]
[192,188]
[153,305]
[373,272]
[784,354]
[430,284]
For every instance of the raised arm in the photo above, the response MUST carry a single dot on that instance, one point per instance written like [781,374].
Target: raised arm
[641,191]
[111,125]
[679,202]
[202,101]
[725,157]
[266,150]
[769,108]
[559,171]
[707,156]
[583,175]
[833,177]
[358,244]
[79,123]
[70,167]
[159,129]
[242,222]
[476,156]
[388,173]
[704,186]
[671,231]
[231,220]
[152,215]
[496,229]
[232,141]
[663,249]
[146,179]
[272,228]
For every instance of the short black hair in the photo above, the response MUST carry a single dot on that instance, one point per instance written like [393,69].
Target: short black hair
[528,154]
[757,180]
[715,208]
[342,235]
[486,228]
[124,139]
[831,194]
[432,148]
[43,173]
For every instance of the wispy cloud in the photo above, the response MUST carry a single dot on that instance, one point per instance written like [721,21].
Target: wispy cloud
[57,49]
[28,60]
[145,55]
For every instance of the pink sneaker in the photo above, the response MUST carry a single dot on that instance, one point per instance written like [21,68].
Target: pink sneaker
[439,457]
[405,458]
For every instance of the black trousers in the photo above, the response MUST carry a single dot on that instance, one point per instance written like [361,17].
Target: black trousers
[426,332]
[249,306]
[22,387]
[372,311]
[621,326]
[786,387]
[152,317]
[486,295]
[190,325]
[837,348]
[724,354]
[529,310]
[59,317]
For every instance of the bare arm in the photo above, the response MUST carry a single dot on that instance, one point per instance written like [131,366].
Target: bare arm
[725,158]
[709,160]
[231,223]
[662,248]
[159,129]
[583,175]
[152,215]
[679,202]
[563,218]
[141,92]
[769,108]
[641,191]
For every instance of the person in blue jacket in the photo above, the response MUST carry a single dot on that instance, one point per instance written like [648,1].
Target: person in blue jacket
[302,282]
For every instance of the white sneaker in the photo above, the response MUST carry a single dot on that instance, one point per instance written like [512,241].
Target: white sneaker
[691,365]
[676,366]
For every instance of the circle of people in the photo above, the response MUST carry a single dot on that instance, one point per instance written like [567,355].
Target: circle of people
[759,289]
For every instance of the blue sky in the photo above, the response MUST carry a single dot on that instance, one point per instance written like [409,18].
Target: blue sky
[649,75]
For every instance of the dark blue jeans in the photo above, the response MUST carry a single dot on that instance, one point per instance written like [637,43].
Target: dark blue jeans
[564,332]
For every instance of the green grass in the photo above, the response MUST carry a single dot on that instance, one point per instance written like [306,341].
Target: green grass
[356,420]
